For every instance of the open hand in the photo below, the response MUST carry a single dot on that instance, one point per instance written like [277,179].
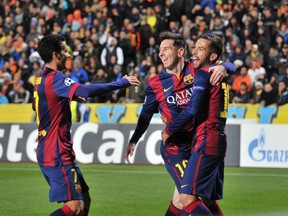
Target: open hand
[218,74]
[133,80]
[129,152]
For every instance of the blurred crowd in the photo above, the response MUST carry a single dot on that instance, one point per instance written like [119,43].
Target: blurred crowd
[111,38]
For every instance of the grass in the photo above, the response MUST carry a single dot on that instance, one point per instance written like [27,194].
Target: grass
[136,190]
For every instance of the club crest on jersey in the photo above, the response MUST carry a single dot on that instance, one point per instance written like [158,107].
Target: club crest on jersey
[188,79]
[68,81]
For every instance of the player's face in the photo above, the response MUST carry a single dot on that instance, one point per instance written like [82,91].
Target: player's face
[169,54]
[201,53]
[63,57]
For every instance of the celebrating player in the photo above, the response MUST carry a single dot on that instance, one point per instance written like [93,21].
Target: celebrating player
[168,93]
[205,116]
[52,96]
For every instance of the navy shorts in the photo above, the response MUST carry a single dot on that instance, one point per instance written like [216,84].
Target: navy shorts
[204,176]
[176,158]
[66,183]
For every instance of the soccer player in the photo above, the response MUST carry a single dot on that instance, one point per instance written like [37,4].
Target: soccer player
[168,93]
[205,116]
[52,96]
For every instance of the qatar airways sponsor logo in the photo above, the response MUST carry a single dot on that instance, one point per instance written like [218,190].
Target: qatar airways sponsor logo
[180,98]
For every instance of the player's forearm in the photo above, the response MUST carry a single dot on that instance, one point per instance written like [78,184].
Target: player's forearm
[229,67]
[99,89]
[187,115]
[201,87]
[142,125]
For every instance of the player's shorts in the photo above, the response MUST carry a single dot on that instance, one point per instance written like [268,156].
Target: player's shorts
[175,158]
[204,176]
[66,183]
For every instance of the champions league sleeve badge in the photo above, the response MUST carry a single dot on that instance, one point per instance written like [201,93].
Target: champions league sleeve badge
[68,81]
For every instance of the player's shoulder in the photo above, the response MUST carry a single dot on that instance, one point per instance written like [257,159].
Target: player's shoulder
[204,69]
[155,78]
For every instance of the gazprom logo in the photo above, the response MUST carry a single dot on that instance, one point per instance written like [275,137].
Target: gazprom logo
[256,147]
[258,151]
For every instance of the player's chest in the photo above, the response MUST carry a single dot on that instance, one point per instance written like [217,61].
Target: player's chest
[176,90]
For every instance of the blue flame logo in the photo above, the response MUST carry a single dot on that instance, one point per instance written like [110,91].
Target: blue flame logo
[256,147]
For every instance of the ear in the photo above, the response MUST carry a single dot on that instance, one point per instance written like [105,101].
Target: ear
[213,57]
[57,55]
[181,52]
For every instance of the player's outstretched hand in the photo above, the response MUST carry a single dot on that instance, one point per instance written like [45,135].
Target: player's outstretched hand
[129,151]
[218,74]
[133,80]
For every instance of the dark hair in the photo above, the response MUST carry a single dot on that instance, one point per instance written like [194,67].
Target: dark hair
[216,45]
[49,44]
[177,38]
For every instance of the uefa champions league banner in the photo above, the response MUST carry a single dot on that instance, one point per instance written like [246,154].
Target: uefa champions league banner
[264,146]
[100,143]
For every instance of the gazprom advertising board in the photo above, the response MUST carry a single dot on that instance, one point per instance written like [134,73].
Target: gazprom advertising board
[264,146]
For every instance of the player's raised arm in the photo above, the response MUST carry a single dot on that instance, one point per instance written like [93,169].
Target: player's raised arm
[98,89]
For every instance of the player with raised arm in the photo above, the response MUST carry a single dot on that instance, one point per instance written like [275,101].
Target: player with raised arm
[168,93]
[205,118]
[53,93]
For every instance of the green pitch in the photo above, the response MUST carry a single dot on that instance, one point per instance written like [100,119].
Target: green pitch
[136,190]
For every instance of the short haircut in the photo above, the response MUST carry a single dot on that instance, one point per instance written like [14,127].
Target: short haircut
[178,39]
[216,45]
[49,44]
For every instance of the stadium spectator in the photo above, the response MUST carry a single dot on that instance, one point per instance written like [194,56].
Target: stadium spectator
[282,62]
[243,77]
[247,46]
[274,79]
[236,54]
[255,70]
[10,86]
[3,98]
[135,94]
[112,49]
[282,97]
[268,95]
[99,77]
[254,54]
[270,62]
[243,95]
[129,53]
[20,95]
[152,50]
[256,92]
[36,70]
[248,23]
[119,93]
[3,37]
[279,42]
[78,70]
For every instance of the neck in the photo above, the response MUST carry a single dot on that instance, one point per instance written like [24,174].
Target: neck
[52,65]
[176,70]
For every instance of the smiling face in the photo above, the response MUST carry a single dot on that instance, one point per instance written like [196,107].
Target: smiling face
[201,54]
[169,54]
